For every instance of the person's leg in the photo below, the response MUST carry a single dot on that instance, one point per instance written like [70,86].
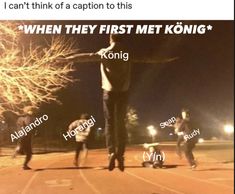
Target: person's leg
[178,147]
[158,158]
[121,108]
[108,106]
[194,164]
[27,158]
[27,148]
[18,150]
[78,149]
[188,153]
[85,149]
[147,164]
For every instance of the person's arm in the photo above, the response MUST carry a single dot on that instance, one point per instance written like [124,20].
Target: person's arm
[86,132]
[176,125]
[72,126]
[154,61]
[181,127]
[81,57]
[84,57]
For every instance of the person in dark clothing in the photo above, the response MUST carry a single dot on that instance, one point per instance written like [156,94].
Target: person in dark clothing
[115,73]
[25,142]
[190,143]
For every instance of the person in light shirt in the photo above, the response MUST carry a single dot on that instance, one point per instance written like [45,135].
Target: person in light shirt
[81,136]
[115,75]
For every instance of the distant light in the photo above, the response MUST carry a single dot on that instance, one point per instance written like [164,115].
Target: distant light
[200,140]
[99,129]
[153,132]
[150,127]
[171,134]
[228,129]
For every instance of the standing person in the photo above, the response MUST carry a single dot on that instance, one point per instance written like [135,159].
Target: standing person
[25,142]
[115,74]
[115,84]
[190,143]
[81,136]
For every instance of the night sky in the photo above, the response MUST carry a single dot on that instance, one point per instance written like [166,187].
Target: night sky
[201,79]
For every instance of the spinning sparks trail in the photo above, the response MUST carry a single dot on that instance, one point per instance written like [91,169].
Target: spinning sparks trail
[30,76]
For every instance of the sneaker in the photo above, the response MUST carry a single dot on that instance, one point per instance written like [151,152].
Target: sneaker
[26,167]
[121,163]
[194,166]
[157,164]
[112,158]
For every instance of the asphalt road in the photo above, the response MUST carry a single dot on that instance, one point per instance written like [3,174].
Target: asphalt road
[57,175]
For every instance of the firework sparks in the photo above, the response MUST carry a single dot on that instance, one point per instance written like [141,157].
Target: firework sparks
[30,77]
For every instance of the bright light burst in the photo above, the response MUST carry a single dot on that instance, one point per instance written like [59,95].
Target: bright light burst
[229,129]
[152,130]
[30,76]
